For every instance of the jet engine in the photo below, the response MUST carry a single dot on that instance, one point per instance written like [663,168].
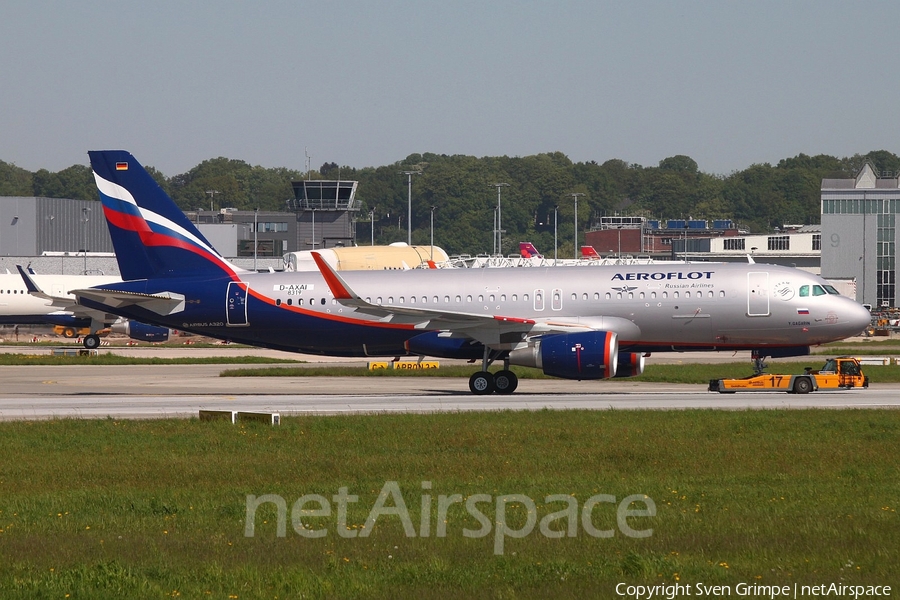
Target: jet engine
[141,331]
[631,364]
[582,355]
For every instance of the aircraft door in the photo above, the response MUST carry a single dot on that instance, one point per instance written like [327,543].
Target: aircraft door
[538,299]
[556,299]
[757,294]
[236,304]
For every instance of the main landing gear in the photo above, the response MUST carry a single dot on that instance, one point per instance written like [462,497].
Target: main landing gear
[484,382]
[91,342]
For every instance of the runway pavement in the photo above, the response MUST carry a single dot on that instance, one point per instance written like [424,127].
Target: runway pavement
[159,391]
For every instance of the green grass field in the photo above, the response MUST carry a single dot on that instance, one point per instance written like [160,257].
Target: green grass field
[149,509]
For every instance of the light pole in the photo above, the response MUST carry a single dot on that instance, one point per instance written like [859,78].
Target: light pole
[409,175]
[255,230]
[499,214]
[85,217]
[313,228]
[575,195]
[431,250]
[211,194]
[555,244]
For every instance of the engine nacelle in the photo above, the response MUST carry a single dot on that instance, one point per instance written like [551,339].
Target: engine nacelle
[631,364]
[141,331]
[434,343]
[583,355]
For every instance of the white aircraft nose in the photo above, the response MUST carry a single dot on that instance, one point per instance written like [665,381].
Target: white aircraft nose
[858,319]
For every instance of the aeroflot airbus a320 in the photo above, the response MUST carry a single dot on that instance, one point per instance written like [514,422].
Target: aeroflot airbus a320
[571,322]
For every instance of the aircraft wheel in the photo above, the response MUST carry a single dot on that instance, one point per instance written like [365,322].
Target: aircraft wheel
[802,386]
[92,341]
[481,383]
[69,332]
[505,382]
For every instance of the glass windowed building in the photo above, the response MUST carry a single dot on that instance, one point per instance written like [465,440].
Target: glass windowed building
[858,234]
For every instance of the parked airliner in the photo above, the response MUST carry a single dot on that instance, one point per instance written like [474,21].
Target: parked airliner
[571,322]
[49,302]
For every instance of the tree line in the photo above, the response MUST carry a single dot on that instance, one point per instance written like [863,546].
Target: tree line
[460,191]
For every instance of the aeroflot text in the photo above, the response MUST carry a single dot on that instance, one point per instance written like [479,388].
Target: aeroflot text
[662,276]
[748,590]
[522,510]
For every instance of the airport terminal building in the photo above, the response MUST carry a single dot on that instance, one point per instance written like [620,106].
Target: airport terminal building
[858,234]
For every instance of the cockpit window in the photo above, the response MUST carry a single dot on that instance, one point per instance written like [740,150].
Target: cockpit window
[830,289]
[804,291]
[818,290]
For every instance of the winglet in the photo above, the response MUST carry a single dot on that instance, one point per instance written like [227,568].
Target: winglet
[338,286]
[30,285]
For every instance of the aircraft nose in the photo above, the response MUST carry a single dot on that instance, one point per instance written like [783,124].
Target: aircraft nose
[859,318]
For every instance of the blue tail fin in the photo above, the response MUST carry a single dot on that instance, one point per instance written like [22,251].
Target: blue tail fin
[151,235]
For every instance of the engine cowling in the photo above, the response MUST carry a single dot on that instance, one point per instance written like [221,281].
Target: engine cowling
[631,364]
[434,343]
[583,355]
[141,331]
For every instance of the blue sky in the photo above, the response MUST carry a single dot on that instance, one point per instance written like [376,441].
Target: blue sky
[368,83]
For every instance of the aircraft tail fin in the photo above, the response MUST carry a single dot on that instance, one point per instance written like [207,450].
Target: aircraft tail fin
[151,235]
[589,252]
[527,250]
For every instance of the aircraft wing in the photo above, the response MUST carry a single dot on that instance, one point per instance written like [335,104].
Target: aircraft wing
[164,303]
[65,303]
[491,330]
[35,290]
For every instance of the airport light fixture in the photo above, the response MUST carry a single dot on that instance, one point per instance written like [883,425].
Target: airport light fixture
[575,196]
[499,231]
[85,217]
[212,193]
[555,244]
[431,250]
[409,175]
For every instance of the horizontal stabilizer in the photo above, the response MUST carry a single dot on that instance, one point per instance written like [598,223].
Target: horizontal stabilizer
[164,303]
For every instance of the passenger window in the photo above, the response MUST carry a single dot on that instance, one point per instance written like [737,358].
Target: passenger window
[502,297]
[469,298]
[608,296]
[446,299]
[290,301]
[323,301]
[390,299]
[515,297]
[278,302]
[804,291]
